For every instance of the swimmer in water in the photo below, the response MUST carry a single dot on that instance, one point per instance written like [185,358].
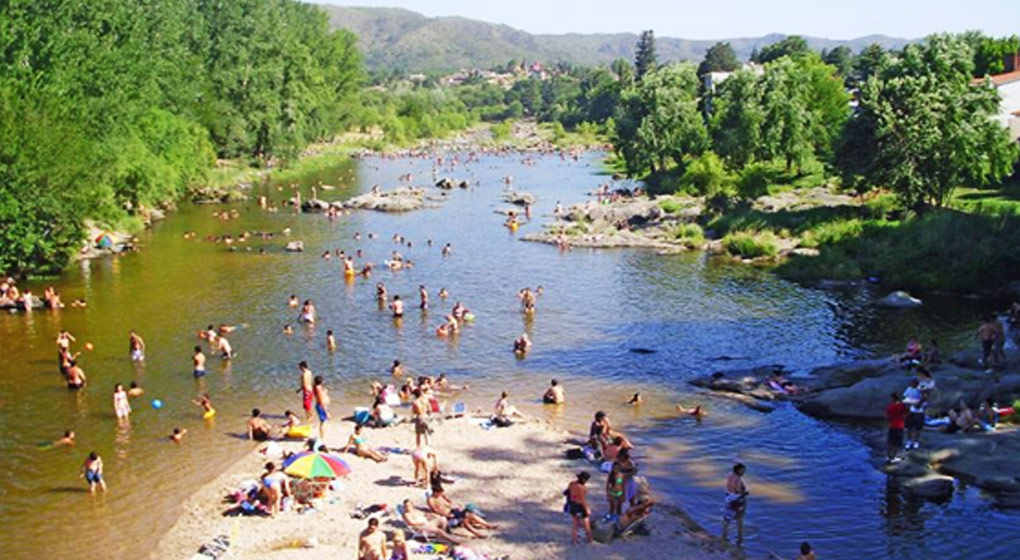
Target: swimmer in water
[554,394]
[287,329]
[226,350]
[198,363]
[397,369]
[522,344]
[636,399]
[209,334]
[205,403]
[67,441]
[307,313]
[447,250]
[398,307]
[443,294]
[293,301]
[697,412]
[380,292]
[136,347]
[134,390]
[423,295]
[330,341]
[121,407]
[92,472]
[178,435]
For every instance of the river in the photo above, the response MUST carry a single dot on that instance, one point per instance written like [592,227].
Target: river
[810,480]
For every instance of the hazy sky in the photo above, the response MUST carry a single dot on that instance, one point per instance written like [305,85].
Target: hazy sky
[709,19]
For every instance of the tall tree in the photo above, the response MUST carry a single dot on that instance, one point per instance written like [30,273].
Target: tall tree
[869,62]
[720,57]
[841,58]
[922,129]
[791,46]
[658,120]
[644,60]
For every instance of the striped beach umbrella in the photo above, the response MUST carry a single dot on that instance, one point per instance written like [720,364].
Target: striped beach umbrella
[315,464]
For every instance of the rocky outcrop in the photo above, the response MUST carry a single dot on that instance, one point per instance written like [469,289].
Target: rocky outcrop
[447,183]
[404,199]
[215,195]
[899,298]
[315,205]
[520,198]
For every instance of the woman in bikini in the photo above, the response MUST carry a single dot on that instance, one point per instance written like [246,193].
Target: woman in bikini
[357,442]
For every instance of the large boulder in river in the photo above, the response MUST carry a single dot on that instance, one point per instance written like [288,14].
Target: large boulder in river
[398,200]
[314,205]
[901,299]
[520,198]
[931,487]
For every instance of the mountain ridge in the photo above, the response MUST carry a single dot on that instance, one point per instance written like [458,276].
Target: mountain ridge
[398,38]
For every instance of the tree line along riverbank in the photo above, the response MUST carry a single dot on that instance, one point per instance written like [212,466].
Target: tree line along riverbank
[111,113]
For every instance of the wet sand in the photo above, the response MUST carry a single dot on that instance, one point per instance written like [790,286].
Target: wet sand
[515,475]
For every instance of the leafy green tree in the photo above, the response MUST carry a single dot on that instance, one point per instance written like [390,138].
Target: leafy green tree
[922,129]
[623,70]
[841,58]
[720,57]
[645,60]
[658,120]
[869,62]
[792,46]
[737,117]
[990,54]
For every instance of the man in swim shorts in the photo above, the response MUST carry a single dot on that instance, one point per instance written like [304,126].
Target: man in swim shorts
[321,404]
[307,399]
[198,360]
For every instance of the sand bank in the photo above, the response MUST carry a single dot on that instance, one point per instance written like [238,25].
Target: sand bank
[515,475]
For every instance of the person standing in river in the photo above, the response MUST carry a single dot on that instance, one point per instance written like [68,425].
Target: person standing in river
[914,400]
[136,346]
[92,472]
[198,363]
[986,334]
[735,503]
[423,295]
[896,414]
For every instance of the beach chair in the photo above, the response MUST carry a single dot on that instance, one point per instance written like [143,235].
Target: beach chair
[418,533]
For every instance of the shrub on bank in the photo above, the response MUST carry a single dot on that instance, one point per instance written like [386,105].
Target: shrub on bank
[690,234]
[751,244]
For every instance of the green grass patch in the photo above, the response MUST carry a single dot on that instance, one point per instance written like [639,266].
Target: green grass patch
[690,234]
[941,250]
[751,244]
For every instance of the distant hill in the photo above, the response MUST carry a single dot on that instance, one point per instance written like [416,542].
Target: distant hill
[399,38]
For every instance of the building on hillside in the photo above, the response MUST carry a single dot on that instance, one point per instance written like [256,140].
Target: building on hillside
[1008,86]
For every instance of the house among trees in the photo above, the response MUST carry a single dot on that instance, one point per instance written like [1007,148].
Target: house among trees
[1008,86]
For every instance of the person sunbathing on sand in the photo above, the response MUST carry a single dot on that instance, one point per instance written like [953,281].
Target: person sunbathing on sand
[429,524]
[466,517]
[358,443]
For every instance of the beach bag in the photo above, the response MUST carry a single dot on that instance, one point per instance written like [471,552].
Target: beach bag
[501,422]
[362,415]
[575,454]
[603,529]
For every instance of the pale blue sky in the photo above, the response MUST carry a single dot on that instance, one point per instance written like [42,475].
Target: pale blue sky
[710,19]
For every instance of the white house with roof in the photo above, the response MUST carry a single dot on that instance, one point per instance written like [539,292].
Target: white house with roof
[1008,86]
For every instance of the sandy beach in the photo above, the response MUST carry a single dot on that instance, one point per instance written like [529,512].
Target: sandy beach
[515,475]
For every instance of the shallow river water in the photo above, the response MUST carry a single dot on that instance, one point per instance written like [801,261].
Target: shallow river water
[809,479]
